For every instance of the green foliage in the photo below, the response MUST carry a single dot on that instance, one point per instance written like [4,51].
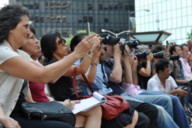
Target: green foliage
[68,40]
[189,35]
[81,31]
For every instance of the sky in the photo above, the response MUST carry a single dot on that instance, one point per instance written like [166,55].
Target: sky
[3,2]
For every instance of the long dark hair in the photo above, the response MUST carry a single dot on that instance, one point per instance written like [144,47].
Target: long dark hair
[10,16]
[48,44]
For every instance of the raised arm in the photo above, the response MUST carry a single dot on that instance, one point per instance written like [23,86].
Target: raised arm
[127,67]
[146,72]
[18,67]
[116,75]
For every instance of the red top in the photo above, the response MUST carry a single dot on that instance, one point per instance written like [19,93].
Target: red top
[38,92]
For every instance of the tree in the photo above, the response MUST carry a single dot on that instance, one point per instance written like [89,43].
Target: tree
[189,35]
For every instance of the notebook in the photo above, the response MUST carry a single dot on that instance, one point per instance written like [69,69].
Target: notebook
[86,104]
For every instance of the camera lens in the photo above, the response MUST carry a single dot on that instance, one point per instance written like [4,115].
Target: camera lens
[108,39]
[158,55]
[174,57]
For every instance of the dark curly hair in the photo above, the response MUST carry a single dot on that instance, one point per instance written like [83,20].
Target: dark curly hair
[10,16]
[161,65]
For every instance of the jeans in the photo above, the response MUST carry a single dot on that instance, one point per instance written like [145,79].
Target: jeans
[179,114]
[161,100]
[164,120]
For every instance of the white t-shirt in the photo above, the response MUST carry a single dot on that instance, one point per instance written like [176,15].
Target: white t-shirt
[155,84]
[10,86]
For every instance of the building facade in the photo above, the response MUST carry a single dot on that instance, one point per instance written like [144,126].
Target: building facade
[173,16]
[69,16]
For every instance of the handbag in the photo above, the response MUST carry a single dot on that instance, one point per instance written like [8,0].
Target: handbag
[48,111]
[113,106]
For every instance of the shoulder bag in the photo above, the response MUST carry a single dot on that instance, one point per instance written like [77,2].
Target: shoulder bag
[48,111]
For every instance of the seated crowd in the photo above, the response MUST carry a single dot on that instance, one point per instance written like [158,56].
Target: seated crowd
[157,84]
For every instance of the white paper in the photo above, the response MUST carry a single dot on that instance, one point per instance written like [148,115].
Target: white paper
[99,97]
[86,104]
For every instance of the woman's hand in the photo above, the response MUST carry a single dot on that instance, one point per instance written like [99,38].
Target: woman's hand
[70,104]
[9,122]
[87,44]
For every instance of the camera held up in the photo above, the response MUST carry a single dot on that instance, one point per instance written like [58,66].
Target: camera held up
[158,55]
[108,39]
[130,43]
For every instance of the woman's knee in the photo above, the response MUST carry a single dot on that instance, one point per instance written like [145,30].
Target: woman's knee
[96,111]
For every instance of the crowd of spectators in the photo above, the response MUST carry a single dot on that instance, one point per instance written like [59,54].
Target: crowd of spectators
[157,84]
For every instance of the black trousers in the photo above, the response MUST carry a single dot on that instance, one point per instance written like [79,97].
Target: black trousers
[125,118]
[26,123]
[150,111]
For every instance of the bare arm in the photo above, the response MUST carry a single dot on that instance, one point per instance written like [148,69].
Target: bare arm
[147,70]
[179,92]
[116,75]
[135,76]
[8,122]
[127,67]
[95,60]
[18,67]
